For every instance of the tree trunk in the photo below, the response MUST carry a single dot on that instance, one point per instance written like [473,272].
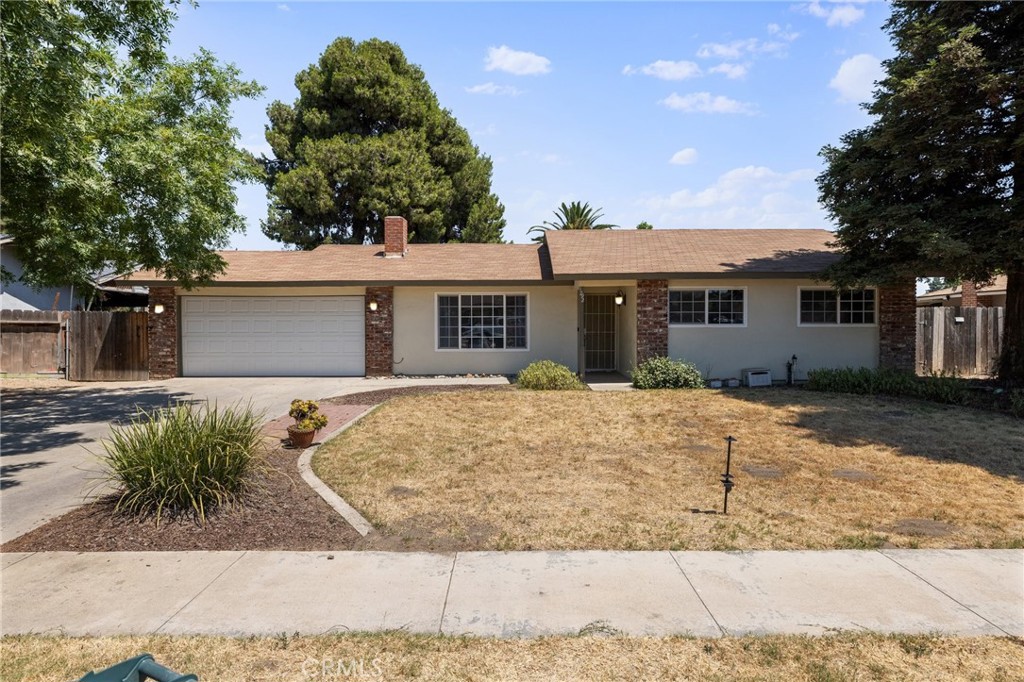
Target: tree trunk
[1011,362]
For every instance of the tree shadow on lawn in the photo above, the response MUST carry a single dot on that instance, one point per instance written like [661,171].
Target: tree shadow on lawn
[914,428]
[36,420]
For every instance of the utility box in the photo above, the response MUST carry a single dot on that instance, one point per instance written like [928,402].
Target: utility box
[757,376]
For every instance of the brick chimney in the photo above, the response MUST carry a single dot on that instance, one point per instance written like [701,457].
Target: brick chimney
[969,295]
[396,236]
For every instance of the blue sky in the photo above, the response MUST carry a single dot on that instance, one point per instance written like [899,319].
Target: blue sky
[683,114]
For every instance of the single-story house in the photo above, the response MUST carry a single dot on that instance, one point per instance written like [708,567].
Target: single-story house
[990,295]
[596,301]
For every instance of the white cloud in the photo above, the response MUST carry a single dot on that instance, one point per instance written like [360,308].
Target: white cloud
[684,157]
[786,34]
[494,89]
[731,70]
[747,197]
[740,48]
[284,8]
[666,70]
[844,15]
[856,78]
[705,102]
[506,59]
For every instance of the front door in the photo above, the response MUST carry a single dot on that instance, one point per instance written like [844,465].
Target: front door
[599,333]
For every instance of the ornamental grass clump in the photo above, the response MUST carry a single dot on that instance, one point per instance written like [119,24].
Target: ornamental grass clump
[188,459]
[662,372]
[546,375]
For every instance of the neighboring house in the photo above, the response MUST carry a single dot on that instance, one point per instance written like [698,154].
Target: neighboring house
[992,295]
[20,296]
[593,300]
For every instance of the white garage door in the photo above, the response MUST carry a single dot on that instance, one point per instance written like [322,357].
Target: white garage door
[272,336]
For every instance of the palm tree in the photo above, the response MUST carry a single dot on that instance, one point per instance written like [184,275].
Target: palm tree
[575,216]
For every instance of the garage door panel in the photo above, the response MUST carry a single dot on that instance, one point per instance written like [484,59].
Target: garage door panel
[273,336]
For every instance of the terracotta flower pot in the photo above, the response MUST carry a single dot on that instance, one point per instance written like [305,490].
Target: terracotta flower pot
[300,439]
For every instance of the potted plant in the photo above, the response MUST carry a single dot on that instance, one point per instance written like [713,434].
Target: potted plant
[308,421]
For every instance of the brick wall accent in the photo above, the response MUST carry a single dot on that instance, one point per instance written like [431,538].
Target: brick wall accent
[163,334]
[897,326]
[380,332]
[396,236]
[651,318]
[969,295]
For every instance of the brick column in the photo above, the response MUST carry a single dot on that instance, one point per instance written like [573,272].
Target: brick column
[969,295]
[163,333]
[380,332]
[651,319]
[897,326]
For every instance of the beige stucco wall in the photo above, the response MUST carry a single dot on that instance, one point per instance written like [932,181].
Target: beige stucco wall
[771,335]
[551,332]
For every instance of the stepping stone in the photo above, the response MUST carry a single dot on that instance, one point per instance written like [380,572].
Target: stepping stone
[929,528]
[762,472]
[854,475]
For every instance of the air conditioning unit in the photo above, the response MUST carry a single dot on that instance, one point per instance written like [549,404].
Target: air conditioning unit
[757,376]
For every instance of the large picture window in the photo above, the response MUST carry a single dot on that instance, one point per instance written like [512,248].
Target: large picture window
[828,306]
[709,307]
[481,321]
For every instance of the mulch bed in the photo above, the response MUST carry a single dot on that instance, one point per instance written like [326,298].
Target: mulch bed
[283,513]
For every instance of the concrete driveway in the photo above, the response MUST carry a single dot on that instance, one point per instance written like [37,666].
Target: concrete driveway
[49,437]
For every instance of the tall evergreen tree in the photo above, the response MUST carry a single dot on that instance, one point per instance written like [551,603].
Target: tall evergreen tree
[935,184]
[367,138]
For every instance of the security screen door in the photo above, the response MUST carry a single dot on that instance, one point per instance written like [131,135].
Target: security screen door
[599,332]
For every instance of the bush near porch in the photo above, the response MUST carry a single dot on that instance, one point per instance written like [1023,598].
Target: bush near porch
[590,470]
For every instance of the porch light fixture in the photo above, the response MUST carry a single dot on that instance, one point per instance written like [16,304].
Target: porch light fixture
[373,306]
[620,298]
[158,308]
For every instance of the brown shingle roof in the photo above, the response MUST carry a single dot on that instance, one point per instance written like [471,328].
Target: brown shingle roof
[568,254]
[358,264]
[611,253]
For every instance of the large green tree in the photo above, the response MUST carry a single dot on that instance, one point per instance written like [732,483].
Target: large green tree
[110,153]
[935,184]
[367,138]
[574,216]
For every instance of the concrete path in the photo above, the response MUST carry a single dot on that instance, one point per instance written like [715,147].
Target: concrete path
[49,436]
[515,594]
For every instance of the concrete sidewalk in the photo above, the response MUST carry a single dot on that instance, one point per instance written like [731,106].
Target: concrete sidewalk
[515,594]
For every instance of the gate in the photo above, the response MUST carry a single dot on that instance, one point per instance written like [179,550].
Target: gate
[108,346]
[961,341]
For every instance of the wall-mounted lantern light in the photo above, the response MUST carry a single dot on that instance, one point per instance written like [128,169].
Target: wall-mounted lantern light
[373,306]
[620,297]
[158,308]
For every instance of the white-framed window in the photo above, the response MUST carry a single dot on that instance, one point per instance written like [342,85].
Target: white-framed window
[482,322]
[828,307]
[708,306]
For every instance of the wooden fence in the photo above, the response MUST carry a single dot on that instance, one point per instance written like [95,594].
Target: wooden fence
[84,345]
[31,341]
[961,341]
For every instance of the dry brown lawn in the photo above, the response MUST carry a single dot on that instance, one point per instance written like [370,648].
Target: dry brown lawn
[405,657]
[589,470]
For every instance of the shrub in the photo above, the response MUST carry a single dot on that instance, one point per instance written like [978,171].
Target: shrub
[545,375]
[667,373]
[1017,402]
[186,459]
[938,387]
[306,414]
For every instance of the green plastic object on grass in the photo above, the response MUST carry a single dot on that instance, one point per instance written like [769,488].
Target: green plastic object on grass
[138,669]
